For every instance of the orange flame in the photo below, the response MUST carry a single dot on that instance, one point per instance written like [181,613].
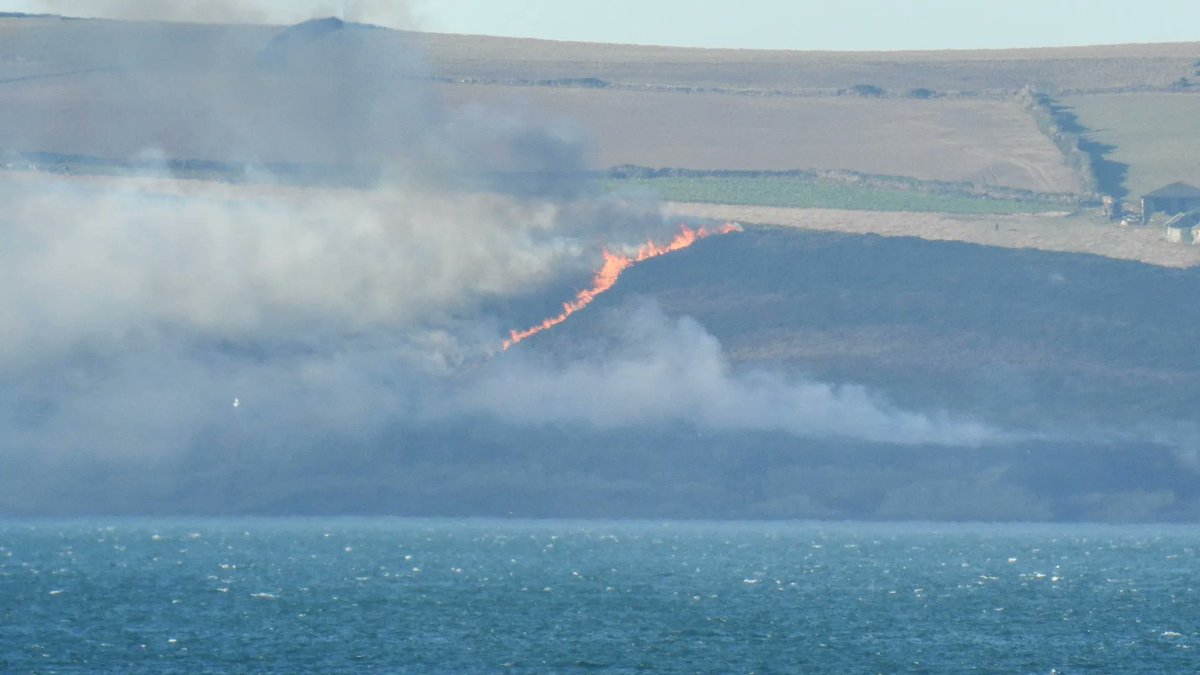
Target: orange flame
[607,275]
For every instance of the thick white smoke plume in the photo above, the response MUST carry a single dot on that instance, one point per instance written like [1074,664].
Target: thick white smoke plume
[94,263]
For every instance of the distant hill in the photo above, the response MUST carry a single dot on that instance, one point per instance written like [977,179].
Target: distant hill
[1053,70]
[59,44]
[215,93]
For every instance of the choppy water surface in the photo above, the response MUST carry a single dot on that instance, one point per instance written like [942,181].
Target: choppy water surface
[473,595]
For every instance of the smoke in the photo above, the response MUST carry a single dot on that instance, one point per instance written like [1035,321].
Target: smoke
[656,370]
[93,266]
[390,13]
[135,310]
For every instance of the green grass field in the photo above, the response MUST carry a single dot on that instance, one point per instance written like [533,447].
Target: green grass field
[793,192]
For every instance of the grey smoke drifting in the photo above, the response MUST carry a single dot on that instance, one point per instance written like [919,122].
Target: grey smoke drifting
[134,309]
[93,265]
[661,371]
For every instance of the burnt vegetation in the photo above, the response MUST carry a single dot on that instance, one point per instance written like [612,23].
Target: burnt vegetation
[1085,360]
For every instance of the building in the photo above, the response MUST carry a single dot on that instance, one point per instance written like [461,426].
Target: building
[1184,227]
[1170,199]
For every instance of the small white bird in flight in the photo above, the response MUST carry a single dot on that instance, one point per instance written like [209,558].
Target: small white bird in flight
[236,403]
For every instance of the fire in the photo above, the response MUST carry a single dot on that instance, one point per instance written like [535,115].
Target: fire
[607,275]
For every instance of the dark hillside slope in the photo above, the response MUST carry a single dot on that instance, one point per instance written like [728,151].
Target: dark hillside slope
[1088,363]
[1021,337]
[1094,358]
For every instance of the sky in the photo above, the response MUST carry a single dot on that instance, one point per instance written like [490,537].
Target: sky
[853,25]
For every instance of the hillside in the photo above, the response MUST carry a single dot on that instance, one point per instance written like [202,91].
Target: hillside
[984,141]
[944,324]
[38,45]
[639,105]
[948,116]
[1084,367]
[1089,363]
[334,226]
[1054,70]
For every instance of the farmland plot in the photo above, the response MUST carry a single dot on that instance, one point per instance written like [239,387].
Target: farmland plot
[990,142]
[1154,134]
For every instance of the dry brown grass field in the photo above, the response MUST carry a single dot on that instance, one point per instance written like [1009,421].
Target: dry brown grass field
[118,114]
[1156,134]
[1046,232]
[687,108]
[989,142]
[661,107]
[747,109]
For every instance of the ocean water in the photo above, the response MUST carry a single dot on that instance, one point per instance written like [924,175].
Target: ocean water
[414,595]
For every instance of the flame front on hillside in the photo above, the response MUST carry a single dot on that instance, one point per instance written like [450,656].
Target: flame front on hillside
[614,265]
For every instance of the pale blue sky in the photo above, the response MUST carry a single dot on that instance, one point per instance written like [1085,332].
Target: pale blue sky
[770,24]
[826,24]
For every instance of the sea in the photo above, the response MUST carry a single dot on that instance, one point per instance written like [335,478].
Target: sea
[397,595]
